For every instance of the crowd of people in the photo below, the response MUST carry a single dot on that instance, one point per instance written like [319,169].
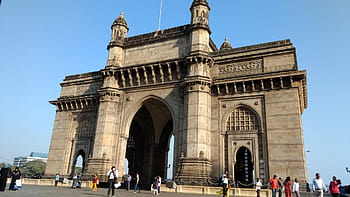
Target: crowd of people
[288,187]
[277,185]
[317,186]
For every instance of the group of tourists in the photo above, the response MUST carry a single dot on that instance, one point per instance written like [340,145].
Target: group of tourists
[114,184]
[16,177]
[277,185]
[317,186]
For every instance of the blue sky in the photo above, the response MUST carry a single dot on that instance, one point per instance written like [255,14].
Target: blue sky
[43,41]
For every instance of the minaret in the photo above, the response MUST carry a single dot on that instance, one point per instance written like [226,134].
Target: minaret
[200,27]
[115,46]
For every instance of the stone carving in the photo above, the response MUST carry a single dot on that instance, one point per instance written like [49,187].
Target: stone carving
[82,89]
[247,67]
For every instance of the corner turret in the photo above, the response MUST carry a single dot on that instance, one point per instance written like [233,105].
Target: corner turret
[200,12]
[115,47]
[200,27]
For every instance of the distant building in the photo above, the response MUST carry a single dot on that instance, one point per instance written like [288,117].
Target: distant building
[20,161]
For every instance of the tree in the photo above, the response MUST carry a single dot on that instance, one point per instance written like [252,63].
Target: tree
[34,168]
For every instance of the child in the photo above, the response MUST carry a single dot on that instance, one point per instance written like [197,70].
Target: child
[155,186]
[95,182]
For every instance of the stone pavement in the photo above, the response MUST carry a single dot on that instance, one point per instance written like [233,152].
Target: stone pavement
[51,191]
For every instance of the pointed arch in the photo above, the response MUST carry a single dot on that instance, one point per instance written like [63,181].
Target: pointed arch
[242,118]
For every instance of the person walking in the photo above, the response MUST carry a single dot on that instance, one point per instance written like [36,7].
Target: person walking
[159,179]
[112,177]
[95,182]
[128,181]
[334,187]
[57,178]
[15,175]
[274,185]
[137,179]
[225,184]
[280,187]
[295,187]
[258,186]
[287,187]
[318,185]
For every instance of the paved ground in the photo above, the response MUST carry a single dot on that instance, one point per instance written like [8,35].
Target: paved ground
[51,191]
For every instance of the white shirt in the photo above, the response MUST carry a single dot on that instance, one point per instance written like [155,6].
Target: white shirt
[112,175]
[159,181]
[318,184]
[224,179]
[295,187]
[258,185]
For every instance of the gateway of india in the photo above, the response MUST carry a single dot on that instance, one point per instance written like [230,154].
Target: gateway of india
[234,109]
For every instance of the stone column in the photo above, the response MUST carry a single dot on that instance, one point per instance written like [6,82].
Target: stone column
[106,136]
[195,164]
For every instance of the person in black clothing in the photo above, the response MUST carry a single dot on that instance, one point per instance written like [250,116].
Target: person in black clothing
[15,175]
[5,171]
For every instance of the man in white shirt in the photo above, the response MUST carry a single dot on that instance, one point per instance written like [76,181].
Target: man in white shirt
[318,186]
[112,177]
[295,188]
[225,184]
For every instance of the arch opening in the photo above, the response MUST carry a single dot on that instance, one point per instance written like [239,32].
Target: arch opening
[244,167]
[79,164]
[148,142]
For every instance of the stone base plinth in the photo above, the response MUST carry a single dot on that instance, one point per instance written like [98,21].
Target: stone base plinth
[99,167]
[193,171]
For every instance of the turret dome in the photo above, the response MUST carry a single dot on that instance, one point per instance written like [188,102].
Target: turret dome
[120,21]
[225,45]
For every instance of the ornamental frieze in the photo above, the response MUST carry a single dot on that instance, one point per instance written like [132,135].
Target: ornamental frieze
[240,68]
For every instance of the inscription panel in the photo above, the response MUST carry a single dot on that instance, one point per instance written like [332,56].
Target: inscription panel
[238,68]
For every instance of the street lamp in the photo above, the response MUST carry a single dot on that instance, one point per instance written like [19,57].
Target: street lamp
[347,169]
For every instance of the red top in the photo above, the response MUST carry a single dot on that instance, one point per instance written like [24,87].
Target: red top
[274,183]
[287,186]
[95,179]
[333,187]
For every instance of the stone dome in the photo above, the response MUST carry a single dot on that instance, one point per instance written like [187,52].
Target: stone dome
[120,21]
[225,45]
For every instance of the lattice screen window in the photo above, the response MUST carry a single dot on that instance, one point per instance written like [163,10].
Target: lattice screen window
[85,129]
[242,119]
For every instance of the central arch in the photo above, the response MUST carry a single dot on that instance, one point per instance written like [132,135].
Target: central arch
[148,142]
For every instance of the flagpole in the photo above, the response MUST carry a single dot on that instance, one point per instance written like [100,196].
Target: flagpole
[160,14]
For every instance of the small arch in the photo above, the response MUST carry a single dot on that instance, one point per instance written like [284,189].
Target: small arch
[79,163]
[243,167]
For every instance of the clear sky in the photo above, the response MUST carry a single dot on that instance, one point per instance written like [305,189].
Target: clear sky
[42,41]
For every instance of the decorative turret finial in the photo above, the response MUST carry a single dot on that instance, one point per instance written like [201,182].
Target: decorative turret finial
[225,45]
[200,2]
[119,28]
[120,21]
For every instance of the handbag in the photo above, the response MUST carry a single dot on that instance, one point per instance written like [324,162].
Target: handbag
[18,183]
[117,185]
